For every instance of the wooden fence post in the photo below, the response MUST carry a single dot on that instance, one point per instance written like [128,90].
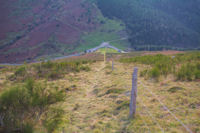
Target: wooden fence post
[105,57]
[133,94]
[1,120]
[112,65]
[63,130]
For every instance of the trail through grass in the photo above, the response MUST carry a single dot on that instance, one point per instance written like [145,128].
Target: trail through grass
[100,102]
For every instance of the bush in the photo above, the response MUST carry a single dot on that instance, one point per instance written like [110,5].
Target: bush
[23,106]
[147,59]
[27,128]
[49,70]
[21,71]
[55,70]
[143,73]
[85,68]
[155,73]
[162,65]
[197,74]
[175,89]
[54,118]
[114,91]
[189,72]
[13,103]
[53,75]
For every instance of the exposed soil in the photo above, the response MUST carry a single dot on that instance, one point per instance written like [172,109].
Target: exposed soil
[168,52]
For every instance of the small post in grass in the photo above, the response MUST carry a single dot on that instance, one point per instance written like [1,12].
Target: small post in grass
[63,130]
[133,94]
[112,65]
[105,57]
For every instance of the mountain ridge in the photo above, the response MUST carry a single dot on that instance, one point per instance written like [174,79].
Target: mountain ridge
[170,23]
[33,30]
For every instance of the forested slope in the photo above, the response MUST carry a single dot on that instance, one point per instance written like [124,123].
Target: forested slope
[35,29]
[165,23]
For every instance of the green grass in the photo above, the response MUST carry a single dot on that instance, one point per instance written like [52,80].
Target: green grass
[106,32]
[182,66]
[107,50]
[189,72]
[99,102]
[49,70]
[94,39]
[33,101]
[122,44]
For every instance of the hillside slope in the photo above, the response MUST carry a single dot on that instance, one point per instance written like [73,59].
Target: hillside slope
[163,23]
[32,29]
[97,100]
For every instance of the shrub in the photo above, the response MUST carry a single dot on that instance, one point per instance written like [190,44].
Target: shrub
[27,128]
[175,89]
[49,70]
[21,71]
[85,68]
[197,71]
[53,118]
[13,103]
[114,90]
[53,75]
[155,73]
[123,105]
[23,106]
[197,74]
[143,73]
[186,72]
[162,65]
[55,70]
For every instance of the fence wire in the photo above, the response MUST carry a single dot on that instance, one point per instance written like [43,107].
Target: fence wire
[166,108]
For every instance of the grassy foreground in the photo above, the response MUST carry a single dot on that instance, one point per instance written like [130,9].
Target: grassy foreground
[97,101]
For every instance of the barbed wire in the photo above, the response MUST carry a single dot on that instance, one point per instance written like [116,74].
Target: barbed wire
[152,117]
[166,108]
[173,106]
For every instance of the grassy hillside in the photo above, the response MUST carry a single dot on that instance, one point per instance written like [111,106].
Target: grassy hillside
[157,25]
[31,30]
[107,50]
[86,96]
[110,29]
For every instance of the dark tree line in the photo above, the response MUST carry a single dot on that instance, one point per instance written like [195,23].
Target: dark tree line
[157,22]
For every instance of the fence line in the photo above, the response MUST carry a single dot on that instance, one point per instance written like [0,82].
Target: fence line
[112,65]
[165,107]
[132,105]
[173,105]
[152,117]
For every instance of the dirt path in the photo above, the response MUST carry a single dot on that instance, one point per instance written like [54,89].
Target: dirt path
[85,103]
[99,102]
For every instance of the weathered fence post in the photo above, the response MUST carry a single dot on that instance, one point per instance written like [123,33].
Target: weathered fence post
[63,130]
[133,94]
[1,121]
[105,57]
[112,65]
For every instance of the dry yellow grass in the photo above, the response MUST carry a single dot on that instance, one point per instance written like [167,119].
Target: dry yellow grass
[91,107]
[98,102]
